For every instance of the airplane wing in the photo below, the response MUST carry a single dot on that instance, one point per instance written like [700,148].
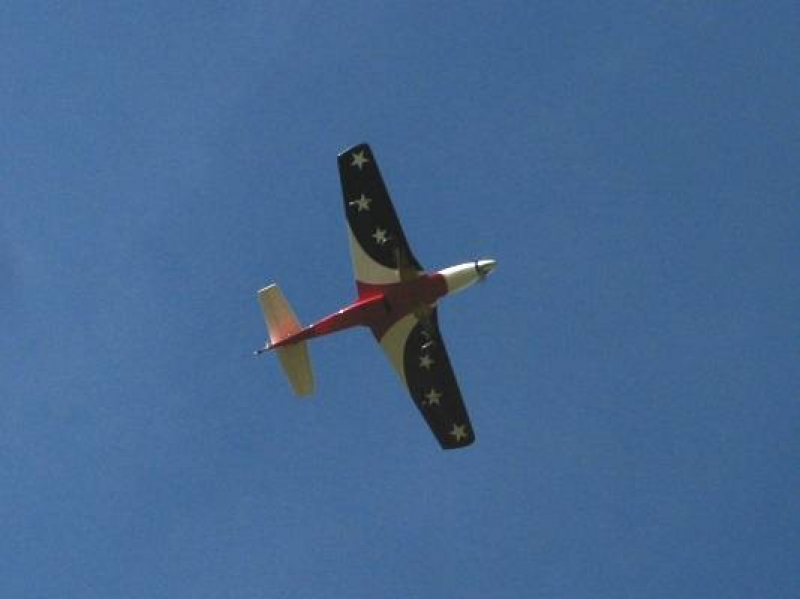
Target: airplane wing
[378,247]
[417,352]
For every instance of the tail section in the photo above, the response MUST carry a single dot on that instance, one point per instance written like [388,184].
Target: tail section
[281,323]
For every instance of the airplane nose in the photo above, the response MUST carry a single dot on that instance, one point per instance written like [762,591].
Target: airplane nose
[484,267]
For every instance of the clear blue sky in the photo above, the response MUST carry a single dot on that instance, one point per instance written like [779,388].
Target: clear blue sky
[631,368]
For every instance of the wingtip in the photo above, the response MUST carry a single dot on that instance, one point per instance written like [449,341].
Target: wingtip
[460,445]
[353,148]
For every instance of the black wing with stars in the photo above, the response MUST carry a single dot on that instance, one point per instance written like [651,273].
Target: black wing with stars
[378,245]
[417,351]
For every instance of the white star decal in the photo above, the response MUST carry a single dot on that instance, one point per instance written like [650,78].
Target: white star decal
[426,361]
[380,236]
[359,160]
[459,431]
[361,203]
[433,397]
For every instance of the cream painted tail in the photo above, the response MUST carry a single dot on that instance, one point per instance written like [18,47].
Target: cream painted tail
[281,323]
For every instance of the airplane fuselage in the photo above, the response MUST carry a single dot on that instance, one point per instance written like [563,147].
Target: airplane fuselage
[379,306]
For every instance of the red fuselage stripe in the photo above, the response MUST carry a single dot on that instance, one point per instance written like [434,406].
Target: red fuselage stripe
[377,306]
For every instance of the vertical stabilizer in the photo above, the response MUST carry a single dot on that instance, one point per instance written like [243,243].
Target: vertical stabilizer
[282,322]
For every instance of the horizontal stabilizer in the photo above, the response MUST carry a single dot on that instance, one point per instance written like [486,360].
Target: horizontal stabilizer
[297,366]
[281,322]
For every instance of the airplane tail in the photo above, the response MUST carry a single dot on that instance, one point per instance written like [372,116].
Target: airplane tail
[282,322]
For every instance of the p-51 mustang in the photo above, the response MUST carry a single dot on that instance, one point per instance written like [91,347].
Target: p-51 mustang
[396,299]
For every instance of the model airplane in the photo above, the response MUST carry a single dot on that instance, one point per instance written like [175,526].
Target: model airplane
[396,300]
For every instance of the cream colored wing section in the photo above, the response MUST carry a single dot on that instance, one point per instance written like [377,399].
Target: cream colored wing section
[368,270]
[393,344]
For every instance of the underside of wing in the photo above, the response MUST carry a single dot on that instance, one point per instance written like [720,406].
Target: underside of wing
[415,348]
[378,245]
